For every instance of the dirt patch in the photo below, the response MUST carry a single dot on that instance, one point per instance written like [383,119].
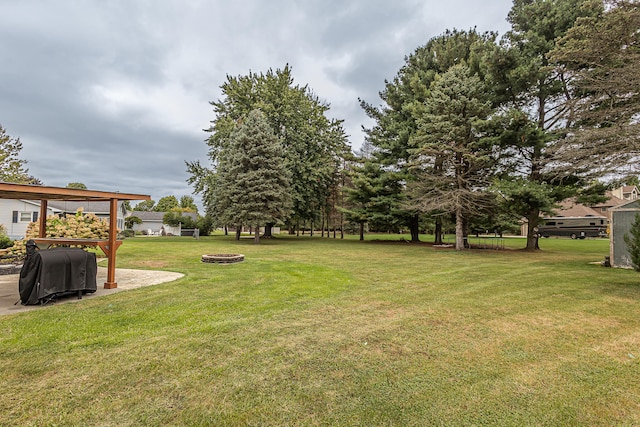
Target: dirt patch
[152,264]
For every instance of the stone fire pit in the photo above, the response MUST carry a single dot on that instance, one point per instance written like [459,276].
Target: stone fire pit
[222,258]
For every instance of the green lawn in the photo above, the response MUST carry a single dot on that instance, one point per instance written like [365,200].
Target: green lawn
[311,331]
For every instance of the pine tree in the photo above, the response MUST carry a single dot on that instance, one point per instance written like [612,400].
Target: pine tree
[253,184]
[372,198]
[451,159]
[404,99]
[537,104]
[601,55]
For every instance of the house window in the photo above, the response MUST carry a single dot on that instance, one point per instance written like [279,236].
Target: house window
[25,216]
[603,209]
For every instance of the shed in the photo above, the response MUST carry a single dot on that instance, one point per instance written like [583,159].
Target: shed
[622,216]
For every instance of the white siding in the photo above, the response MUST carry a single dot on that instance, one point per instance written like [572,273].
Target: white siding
[26,212]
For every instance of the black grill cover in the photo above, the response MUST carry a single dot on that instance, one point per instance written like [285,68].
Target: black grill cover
[54,272]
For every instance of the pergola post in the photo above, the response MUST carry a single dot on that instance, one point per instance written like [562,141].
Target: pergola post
[111,253]
[42,220]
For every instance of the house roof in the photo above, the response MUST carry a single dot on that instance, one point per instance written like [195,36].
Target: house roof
[610,202]
[158,216]
[87,206]
[571,209]
[148,216]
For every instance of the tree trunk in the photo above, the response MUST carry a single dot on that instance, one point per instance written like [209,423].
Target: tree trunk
[362,231]
[311,230]
[226,230]
[268,231]
[459,230]
[322,224]
[238,232]
[414,226]
[465,231]
[256,236]
[438,232]
[532,229]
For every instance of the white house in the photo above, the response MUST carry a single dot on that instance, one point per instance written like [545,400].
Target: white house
[15,215]
[153,224]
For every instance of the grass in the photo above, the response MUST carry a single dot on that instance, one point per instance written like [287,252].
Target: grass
[311,331]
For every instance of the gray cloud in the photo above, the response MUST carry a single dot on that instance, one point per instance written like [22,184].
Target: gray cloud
[116,94]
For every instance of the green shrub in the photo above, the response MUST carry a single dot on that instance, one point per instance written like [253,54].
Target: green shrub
[128,233]
[5,242]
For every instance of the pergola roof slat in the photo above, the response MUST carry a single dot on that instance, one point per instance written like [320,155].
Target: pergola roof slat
[40,192]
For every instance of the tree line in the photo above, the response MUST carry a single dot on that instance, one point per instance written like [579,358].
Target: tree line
[474,130]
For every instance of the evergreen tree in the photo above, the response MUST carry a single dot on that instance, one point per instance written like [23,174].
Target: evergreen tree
[252,185]
[537,102]
[403,103]
[372,198]
[601,55]
[452,160]
[633,243]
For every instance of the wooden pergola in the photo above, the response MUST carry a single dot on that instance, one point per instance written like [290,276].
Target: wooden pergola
[44,194]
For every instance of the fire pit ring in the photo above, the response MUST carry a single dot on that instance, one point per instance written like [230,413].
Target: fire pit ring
[222,258]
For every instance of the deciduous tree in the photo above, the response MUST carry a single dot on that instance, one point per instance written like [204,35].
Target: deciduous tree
[145,206]
[78,185]
[187,202]
[165,204]
[313,144]
[11,166]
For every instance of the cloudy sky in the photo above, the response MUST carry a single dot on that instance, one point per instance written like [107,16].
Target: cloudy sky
[115,94]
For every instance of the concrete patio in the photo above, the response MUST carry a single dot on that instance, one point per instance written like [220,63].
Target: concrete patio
[127,279]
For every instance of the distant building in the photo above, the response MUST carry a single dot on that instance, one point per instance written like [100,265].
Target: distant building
[153,224]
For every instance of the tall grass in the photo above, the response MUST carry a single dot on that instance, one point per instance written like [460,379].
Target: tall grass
[311,331]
